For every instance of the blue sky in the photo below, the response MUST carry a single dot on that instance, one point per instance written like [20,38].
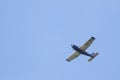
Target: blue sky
[36,37]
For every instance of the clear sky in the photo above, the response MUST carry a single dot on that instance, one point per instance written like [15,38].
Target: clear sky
[35,38]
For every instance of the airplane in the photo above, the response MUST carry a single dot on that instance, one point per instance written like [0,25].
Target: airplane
[82,50]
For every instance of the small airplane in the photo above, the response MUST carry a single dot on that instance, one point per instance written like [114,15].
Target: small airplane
[82,50]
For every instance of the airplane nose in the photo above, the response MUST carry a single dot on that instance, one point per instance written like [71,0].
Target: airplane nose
[71,45]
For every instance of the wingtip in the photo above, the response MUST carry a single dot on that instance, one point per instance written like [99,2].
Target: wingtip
[68,60]
[93,37]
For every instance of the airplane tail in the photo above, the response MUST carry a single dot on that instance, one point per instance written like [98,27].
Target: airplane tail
[94,55]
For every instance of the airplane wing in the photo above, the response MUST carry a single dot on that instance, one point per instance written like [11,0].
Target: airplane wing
[87,44]
[73,56]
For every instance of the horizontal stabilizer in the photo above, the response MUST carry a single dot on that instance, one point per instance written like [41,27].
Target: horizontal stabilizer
[93,56]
